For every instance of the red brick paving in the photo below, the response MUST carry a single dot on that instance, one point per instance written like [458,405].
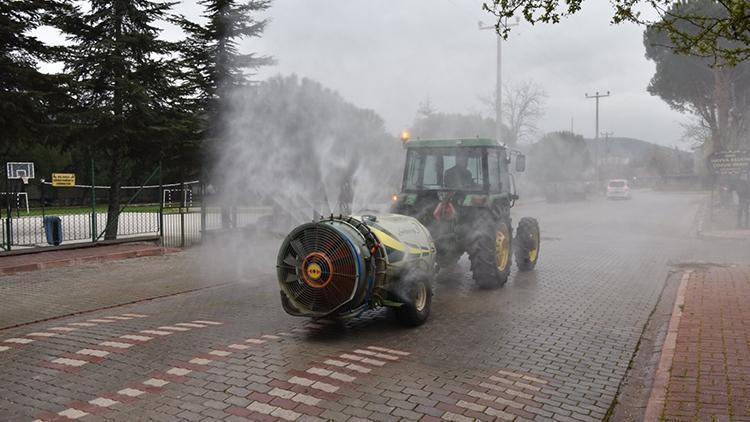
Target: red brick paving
[710,371]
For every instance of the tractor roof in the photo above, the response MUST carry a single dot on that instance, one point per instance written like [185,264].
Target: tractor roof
[452,143]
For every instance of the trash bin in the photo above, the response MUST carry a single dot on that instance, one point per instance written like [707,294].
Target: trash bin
[53,228]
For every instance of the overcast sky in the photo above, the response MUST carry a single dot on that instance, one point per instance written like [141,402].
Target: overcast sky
[391,55]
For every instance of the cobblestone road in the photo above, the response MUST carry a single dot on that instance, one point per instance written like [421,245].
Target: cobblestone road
[553,344]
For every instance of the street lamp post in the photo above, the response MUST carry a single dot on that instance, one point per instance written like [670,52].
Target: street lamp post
[499,81]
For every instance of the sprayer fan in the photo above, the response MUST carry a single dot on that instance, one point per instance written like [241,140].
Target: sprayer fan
[318,268]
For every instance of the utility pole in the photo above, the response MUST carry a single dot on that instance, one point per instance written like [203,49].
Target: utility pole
[606,149]
[499,82]
[596,136]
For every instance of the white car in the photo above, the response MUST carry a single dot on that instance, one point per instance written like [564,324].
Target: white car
[618,189]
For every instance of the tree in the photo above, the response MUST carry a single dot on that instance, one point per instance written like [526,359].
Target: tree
[718,96]
[559,157]
[294,142]
[452,125]
[723,35]
[123,84]
[214,65]
[27,96]
[523,106]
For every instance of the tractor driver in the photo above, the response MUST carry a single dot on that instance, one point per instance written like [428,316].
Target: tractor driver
[459,176]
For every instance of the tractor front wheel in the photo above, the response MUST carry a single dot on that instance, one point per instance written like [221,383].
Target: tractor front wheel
[489,247]
[527,244]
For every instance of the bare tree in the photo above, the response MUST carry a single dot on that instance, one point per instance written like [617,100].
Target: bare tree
[523,106]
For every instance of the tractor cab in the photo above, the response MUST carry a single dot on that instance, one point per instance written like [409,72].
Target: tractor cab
[462,191]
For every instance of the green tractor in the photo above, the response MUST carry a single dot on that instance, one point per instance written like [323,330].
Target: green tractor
[462,191]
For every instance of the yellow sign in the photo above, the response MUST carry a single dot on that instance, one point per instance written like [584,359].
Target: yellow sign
[63,179]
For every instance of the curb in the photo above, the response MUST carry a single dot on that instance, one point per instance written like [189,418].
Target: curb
[658,395]
[69,262]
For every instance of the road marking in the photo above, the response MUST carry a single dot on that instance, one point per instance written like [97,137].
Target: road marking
[335,362]
[288,415]
[72,413]
[362,359]
[42,334]
[4,348]
[391,351]
[208,322]
[69,362]
[377,355]
[66,329]
[136,338]
[191,325]
[448,416]
[199,361]
[156,332]
[82,324]
[130,392]
[222,353]
[330,374]
[135,315]
[342,377]
[103,402]
[93,352]
[270,336]
[305,399]
[19,340]
[471,406]
[328,388]
[116,344]
[254,341]
[305,382]
[499,414]
[259,407]
[100,320]
[155,382]
[358,368]
[238,346]
[119,318]
[480,395]
[501,380]
[179,371]
[168,327]
[284,394]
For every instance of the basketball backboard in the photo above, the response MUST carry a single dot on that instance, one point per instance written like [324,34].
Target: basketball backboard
[18,170]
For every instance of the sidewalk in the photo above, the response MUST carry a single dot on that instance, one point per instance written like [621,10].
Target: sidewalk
[721,223]
[704,371]
[12,264]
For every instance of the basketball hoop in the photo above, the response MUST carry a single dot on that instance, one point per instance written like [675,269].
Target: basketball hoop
[25,180]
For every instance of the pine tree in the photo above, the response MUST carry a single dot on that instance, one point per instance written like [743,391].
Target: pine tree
[124,86]
[26,95]
[215,66]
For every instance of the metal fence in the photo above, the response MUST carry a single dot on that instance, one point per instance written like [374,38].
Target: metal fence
[179,213]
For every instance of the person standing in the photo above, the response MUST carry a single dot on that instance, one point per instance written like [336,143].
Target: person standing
[742,188]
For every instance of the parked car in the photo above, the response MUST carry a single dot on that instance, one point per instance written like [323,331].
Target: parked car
[618,189]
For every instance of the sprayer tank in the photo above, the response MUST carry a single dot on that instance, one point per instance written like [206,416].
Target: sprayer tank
[343,265]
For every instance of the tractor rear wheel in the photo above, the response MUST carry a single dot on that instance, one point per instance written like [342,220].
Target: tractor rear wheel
[416,301]
[527,244]
[489,247]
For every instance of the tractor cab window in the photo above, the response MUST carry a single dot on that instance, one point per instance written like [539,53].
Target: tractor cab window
[441,169]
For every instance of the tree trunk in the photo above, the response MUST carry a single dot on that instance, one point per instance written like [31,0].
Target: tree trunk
[113,208]
[721,87]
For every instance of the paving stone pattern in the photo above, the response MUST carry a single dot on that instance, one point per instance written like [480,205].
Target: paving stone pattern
[710,372]
[553,344]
